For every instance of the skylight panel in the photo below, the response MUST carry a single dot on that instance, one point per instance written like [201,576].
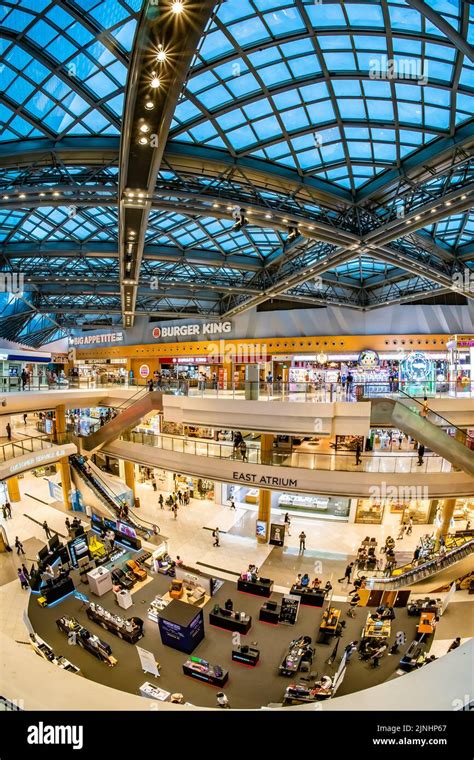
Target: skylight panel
[215,44]
[340,61]
[275,74]
[368,16]
[325,15]
[284,21]
[248,31]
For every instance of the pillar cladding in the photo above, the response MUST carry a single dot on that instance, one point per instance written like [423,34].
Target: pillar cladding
[13,488]
[264,512]
[65,473]
[266,448]
[129,470]
[447,512]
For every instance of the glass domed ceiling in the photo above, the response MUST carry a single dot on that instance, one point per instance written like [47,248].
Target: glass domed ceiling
[321,114]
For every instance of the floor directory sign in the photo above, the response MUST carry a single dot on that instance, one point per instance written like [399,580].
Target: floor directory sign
[277,534]
[147,661]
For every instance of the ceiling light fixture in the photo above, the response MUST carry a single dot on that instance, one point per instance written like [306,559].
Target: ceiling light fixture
[144,128]
[268,216]
[155,81]
[22,195]
[448,203]
[143,140]
[161,55]
[6,197]
[56,194]
[42,195]
[149,105]
[177,6]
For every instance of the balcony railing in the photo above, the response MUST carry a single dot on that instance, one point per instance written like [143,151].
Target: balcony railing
[27,445]
[403,463]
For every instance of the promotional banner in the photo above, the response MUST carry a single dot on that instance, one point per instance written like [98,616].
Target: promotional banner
[147,661]
[277,534]
[449,596]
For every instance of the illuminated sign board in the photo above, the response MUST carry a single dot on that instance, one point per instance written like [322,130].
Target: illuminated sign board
[86,340]
[197,328]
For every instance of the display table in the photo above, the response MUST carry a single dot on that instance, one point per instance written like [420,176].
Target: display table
[291,663]
[269,616]
[246,655]
[58,590]
[328,625]
[130,630]
[376,629]
[260,587]
[181,626]
[230,621]
[427,624]
[310,597]
[203,671]
[100,580]
[150,691]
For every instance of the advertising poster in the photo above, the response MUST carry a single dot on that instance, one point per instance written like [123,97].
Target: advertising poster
[290,606]
[277,534]
[147,661]
[261,529]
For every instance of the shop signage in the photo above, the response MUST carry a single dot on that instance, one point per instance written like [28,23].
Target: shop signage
[196,328]
[265,480]
[3,357]
[86,340]
[144,370]
[368,359]
[59,358]
[39,459]
[465,343]
[188,360]
[417,367]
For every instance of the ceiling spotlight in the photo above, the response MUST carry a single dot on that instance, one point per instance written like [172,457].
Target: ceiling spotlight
[56,194]
[141,195]
[448,203]
[144,128]
[22,195]
[143,140]
[155,81]
[215,205]
[268,216]
[285,220]
[6,197]
[130,194]
[433,211]
[177,6]
[417,218]
[149,105]
[42,195]
[292,234]
[161,55]
[463,197]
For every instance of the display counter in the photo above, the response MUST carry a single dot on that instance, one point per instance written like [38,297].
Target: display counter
[251,497]
[427,624]
[246,655]
[230,620]
[257,587]
[270,613]
[328,626]
[88,641]
[56,590]
[310,597]
[44,650]
[181,626]
[130,630]
[157,605]
[299,694]
[298,651]
[296,501]
[376,629]
[201,670]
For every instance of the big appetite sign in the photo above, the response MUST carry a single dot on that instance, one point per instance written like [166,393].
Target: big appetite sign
[87,340]
[196,328]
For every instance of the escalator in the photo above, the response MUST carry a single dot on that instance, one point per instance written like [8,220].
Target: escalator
[404,415]
[105,499]
[435,572]
[131,412]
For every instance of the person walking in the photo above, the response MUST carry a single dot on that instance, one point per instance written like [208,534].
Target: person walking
[409,526]
[421,453]
[349,650]
[153,483]
[47,529]
[68,524]
[424,409]
[456,643]
[8,510]
[302,538]
[22,578]
[19,546]
[355,599]
[222,700]
[358,452]
[25,417]
[175,510]
[215,534]
[24,379]
[287,522]
[25,571]
[243,450]
[8,428]
[4,512]
[232,504]
[161,501]
[347,573]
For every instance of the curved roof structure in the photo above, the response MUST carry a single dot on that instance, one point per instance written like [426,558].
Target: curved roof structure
[202,158]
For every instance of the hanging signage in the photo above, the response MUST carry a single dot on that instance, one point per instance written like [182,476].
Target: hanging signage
[417,367]
[265,480]
[277,534]
[368,359]
[86,340]
[144,370]
[197,328]
[290,606]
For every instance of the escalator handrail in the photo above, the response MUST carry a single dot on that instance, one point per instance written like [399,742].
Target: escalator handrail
[436,562]
[432,411]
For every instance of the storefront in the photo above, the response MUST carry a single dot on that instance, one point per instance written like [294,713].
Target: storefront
[460,363]
[12,365]
[323,507]
[377,511]
[88,371]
